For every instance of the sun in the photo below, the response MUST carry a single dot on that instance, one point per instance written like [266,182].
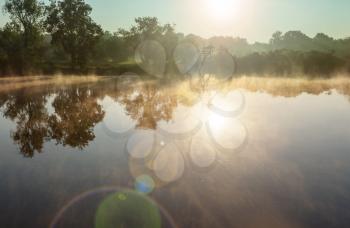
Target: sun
[223,10]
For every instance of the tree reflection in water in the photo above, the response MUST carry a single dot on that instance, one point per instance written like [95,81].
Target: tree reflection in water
[148,105]
[31,119]
[76,112]
[76,109]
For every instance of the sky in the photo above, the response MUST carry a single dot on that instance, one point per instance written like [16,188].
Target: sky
[255,20]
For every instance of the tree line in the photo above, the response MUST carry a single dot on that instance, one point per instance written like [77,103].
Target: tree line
[61,37]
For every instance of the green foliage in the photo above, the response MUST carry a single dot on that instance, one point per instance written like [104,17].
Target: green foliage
[146,28]
[25,12]
[149,28]
[286,62]
[317,63]
[110,48]
[23,35]
[72,28]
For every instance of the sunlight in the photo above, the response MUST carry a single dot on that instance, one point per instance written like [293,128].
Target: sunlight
[223,10]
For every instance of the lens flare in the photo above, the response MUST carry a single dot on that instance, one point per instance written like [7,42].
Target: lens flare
[127,209]
[169,164]
[141,143]
[144,184]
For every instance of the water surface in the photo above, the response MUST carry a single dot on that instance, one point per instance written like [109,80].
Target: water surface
[238,155]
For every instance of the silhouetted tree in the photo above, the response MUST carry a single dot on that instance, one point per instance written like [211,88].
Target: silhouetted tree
[276,39]
[237,46]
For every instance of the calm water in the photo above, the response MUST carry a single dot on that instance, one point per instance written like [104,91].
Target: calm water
[118,153]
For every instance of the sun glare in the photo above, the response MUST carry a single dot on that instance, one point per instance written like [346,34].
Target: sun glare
[223,9]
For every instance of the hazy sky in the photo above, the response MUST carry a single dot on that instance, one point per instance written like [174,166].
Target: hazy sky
[255,20]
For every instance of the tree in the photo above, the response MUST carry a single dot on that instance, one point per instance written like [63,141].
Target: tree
[27,20]
[324,42]
[149,28]
[146,28]
[110,48]
[319,63]
[276,39]
[72,28]
[3,54]
[13,59]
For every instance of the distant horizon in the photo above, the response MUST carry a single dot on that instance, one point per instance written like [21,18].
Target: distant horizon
[248,19]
